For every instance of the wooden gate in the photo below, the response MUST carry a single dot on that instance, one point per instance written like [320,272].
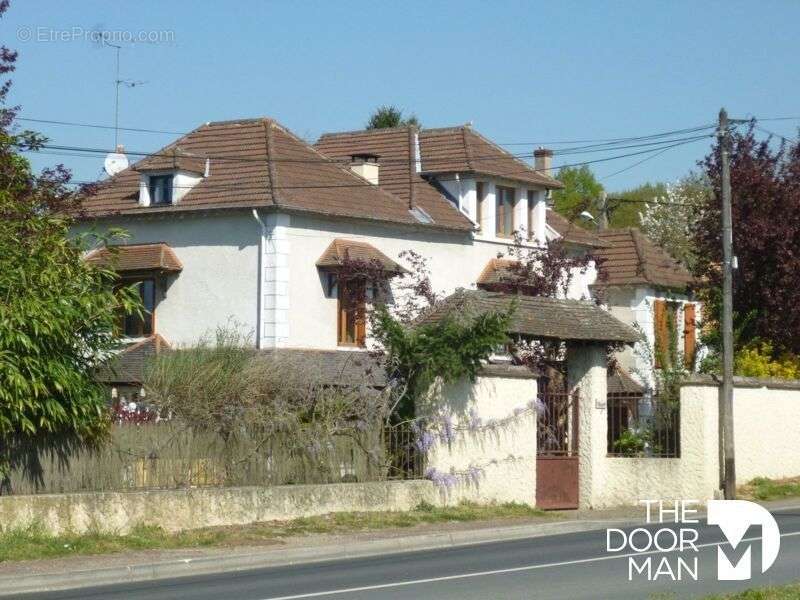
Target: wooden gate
[557,451]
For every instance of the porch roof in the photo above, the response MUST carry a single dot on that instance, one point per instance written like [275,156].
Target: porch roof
[550,318]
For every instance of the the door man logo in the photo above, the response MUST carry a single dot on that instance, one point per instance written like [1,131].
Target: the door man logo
[734,517]
[672,552]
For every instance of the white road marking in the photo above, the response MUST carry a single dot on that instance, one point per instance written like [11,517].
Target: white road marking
[383,586]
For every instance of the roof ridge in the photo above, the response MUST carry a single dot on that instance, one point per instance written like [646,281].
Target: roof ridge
[374,131]
[242,121]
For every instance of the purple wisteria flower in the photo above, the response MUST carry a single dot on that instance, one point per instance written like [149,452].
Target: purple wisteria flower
[424,441]
[441,479]
[474,474]
[537,405]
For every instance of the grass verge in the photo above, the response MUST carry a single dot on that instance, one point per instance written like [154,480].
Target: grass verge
[34,542]
[781,592]
[762,488]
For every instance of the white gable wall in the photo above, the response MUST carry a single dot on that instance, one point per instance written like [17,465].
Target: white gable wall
[219,253]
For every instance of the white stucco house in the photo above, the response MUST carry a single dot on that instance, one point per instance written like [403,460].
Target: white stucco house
[238,222]
[643,286]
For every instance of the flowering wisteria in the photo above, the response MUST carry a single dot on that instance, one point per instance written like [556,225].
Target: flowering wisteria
[471,475]
[440,478]
[447,432]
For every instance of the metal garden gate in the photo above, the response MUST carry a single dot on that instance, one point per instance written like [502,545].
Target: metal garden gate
[557,451]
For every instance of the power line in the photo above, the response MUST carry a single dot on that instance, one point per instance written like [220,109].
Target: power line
[637,163]
[84,151]
[95,126]
[597,142]
[239,187]
[607,141]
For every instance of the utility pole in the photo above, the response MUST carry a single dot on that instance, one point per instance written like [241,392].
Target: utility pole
[726,396]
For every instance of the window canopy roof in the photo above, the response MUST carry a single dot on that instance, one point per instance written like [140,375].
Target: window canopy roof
[157,258]
[342,250]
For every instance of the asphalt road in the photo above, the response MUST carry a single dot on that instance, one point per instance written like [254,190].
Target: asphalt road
[570,566]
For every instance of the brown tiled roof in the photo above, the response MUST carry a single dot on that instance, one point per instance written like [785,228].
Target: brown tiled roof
[620,382]
[175,159]
[442,151]
[127,367]
[496,271]
[464,150]
[340,250]
[397,173]
[537,316]
[572,233]
[136,257]
[258,163]
[632,259]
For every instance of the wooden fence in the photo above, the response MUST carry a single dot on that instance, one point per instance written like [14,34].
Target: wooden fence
[166,455]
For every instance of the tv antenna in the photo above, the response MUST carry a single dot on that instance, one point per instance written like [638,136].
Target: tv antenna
[117,84]
[117,161]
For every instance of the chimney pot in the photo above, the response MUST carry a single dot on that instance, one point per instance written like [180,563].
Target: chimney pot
[543,161]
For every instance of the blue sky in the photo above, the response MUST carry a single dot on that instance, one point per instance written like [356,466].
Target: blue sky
[522,72]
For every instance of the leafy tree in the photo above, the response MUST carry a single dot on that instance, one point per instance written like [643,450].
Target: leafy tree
[765,184]
[387,115]
[581,192]
[668,218]
[58,314]
[449,349]
[634,201]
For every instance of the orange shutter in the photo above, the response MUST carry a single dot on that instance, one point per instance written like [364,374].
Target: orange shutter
[661,330]
[352,325]
[689,335]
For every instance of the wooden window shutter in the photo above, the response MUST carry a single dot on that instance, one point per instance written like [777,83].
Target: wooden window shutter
[661,330]
[352,325]
[689,335]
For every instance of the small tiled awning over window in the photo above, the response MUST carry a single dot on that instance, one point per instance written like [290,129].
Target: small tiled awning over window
[137,258]
[342,250]
[497,271]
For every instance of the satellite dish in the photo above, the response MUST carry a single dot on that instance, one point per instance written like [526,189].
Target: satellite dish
[115,162]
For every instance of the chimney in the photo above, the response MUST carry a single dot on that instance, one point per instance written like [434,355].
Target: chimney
[365,164]
[543,161]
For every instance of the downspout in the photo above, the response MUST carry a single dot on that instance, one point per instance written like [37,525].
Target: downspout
[259,299]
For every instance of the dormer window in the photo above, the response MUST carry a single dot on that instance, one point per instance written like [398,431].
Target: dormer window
[166,178]
[160,187]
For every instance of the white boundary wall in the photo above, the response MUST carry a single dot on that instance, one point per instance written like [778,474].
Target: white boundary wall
[766,425]
[504,456]
[766,437]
